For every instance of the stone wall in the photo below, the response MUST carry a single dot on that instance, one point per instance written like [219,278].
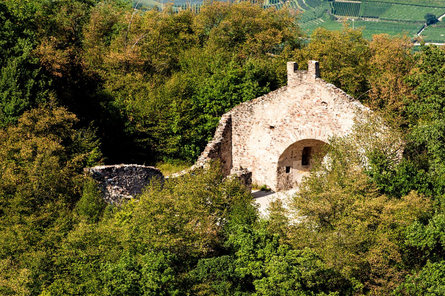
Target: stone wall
[244,176]
[263,128]
[124,181]
[292,167]
[259,141]
[221,145]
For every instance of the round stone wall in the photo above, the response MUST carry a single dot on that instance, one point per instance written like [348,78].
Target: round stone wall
[124,181]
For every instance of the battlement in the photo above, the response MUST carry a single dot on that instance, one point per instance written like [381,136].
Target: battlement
[296,77]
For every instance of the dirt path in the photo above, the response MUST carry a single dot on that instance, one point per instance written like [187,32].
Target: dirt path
[421,30]
[263,199]
[430,43]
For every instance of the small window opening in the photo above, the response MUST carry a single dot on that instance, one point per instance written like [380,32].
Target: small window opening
[306,156]
[287,169]
[271,126]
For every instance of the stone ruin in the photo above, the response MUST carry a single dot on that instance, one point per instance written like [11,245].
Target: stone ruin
[124,181]
[271,140]
[276,137]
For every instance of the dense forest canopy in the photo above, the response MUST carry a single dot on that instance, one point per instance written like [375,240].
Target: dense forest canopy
[86,82]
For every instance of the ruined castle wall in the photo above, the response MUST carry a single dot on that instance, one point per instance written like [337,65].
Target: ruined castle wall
[220,147]
[260,141]
[124,181]
[263,128]
[256,133]
[293,166]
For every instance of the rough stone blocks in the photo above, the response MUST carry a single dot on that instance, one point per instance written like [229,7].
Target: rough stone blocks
[124,181]
[276,136]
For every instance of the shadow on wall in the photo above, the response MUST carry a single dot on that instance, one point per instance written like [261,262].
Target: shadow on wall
[260,193]
[296,162]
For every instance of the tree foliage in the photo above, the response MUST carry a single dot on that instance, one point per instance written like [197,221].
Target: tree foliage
[344,58]
[390,63]
[22,83]
[41,161]
[358,231]
[82,80]
[430,19]
[174,75]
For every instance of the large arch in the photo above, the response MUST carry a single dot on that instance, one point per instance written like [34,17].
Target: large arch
[296,161]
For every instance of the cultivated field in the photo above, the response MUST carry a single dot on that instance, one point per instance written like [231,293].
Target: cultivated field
[394,17]
[409,12]
[346,8]
[391,28]
[434,33]
[435,3]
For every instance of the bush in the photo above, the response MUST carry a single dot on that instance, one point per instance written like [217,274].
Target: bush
[430,19]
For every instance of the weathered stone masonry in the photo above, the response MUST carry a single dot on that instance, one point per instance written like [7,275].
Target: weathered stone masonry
[123,181]
[271,140]
[221,145]
[276,136]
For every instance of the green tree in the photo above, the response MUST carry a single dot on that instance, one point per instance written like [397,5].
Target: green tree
[149,246]
[430,19]
[22,83]
[344,58]
[41,173]
[200,211]
[390,63]
[121,278]
[172,75]
[346,220]
[91,205]
[429,281]
[426,112]
[159,274]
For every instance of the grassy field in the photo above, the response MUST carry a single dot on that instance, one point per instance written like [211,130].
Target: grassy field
[313,3]
[437,3]
[369,28]
[386,11]
[325,22]
[409,12]
[391,28]
[394,17]
[434,33]
[315,13]
[302,5]
[372,9]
